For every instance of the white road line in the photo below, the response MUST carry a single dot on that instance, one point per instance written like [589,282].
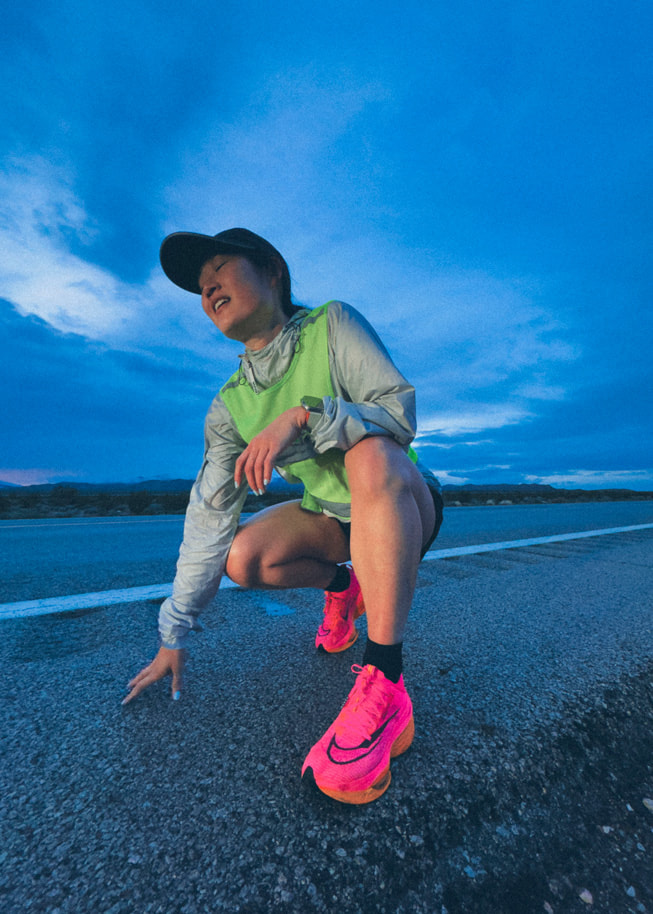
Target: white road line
[55,605]
[70,603]
[534,541]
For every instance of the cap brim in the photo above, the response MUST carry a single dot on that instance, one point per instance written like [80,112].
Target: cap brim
[183,254]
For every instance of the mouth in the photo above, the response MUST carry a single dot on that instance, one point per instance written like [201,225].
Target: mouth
[220,302]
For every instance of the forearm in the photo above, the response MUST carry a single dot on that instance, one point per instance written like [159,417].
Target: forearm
[211,520]
[344,424]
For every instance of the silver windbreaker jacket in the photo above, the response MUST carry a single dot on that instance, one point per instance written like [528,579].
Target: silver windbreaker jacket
[371,398]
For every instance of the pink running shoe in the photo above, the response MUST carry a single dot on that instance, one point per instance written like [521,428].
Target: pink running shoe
[351,762]
[338,631]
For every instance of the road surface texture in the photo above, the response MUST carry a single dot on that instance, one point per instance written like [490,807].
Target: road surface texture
[529,787]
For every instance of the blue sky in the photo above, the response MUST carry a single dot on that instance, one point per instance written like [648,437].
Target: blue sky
[475,178]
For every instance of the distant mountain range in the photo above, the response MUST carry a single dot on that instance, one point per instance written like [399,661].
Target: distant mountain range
[279,485]
[146,485]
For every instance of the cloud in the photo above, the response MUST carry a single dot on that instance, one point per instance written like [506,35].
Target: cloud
[77,403]
[639,480]
[471,422]
[41,223]
[46,271]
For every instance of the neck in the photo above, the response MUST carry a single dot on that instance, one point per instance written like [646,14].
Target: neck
[262,337]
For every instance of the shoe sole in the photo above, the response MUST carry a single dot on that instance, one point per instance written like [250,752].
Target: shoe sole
[379,787]
[358,612]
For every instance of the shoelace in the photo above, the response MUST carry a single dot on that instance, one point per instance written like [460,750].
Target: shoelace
[365,706]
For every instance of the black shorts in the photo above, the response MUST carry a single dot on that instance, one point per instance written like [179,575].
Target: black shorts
[438,504]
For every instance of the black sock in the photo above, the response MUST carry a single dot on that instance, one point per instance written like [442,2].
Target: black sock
[341,579]
[385,657]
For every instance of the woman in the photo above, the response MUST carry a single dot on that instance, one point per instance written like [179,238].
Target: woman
[317,397]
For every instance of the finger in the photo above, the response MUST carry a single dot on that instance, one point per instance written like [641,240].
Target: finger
[245,466]
[263,470]
[267,470]
[238,469]
[136,691]
[143,673]
[257,476]
[250,473]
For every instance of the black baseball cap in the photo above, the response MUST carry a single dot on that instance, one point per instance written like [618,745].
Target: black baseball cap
[183,254]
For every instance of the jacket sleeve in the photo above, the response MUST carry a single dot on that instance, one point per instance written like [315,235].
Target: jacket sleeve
[372,397]
[211,520]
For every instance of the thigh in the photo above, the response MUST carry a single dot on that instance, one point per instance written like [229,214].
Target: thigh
[286,532]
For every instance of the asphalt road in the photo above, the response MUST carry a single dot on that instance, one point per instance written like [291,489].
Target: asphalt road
[531,672]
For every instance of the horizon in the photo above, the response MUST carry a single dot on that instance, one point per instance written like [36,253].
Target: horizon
[472,179]
[278,482]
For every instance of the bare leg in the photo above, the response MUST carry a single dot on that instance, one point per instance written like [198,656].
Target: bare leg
[392,517]
[286,546]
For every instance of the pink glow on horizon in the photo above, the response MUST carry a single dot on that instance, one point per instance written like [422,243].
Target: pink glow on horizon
[34,477]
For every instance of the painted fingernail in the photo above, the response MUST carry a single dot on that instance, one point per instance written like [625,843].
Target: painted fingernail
[266,482]
[176,696]
[261,492]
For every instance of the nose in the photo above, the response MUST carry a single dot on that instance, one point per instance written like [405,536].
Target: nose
[211,292]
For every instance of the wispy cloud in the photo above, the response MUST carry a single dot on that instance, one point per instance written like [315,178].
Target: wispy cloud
[471,422]
[597,479]
[46,270]
[41,222]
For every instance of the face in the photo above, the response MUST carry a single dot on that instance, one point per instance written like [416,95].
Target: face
[242,301]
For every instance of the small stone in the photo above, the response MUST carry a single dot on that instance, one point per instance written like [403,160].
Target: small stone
[586,896]
[630,891]
[548,908]
[134,859]
[648,803]
[341,852]
[417,840]
[607,829]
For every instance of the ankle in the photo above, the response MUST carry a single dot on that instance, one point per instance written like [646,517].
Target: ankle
[385,657]
[341,580]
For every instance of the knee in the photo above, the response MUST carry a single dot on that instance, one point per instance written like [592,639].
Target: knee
[244,561]
[377,464]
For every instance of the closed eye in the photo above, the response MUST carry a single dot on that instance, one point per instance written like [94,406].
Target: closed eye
[209,290]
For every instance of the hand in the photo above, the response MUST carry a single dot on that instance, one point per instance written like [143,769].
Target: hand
[166,661]
[258,458]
